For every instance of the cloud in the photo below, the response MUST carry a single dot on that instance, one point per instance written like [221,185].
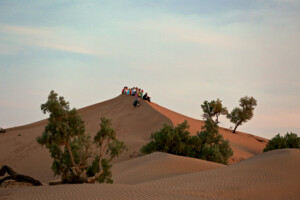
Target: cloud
[61,39]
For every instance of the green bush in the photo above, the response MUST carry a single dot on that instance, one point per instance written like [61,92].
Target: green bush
[207,144]
[290,140]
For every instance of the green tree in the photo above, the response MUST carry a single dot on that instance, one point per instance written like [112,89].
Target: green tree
[290,140]
[207,144]
[242,114]
[213,145]
[71,149]
[213,109]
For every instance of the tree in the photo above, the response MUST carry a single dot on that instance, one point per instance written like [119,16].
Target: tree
[213,145]
[242,114]
[213,109]
[290,140]
[207,144]
[71,148]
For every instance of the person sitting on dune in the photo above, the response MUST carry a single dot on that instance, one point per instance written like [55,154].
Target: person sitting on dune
[141,93]
[123,91]
[137,101]
[146,97]
[133,91]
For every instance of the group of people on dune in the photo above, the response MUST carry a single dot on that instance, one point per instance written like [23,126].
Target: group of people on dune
[137,93]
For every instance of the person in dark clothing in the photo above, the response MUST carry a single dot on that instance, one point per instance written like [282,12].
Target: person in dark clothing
[136,102]
[146,97]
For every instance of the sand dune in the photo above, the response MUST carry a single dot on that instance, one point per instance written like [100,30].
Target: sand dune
[272,175]
[156,166]
[134,126]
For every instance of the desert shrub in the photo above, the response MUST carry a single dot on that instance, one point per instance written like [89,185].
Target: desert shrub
[169,139]
[290,140]
[71,149]
[207,144]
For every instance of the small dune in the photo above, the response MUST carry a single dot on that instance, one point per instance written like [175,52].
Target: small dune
[271,175]
[156,166]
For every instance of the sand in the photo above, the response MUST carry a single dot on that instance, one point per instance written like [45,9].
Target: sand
[271,175]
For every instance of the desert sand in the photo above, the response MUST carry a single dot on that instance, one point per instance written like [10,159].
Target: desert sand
[251,175]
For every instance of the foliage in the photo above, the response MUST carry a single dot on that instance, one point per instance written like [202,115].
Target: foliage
[213,109]
[242,114]
[71,148]
[290,140]
[207,144]
[214,146]
[169,139]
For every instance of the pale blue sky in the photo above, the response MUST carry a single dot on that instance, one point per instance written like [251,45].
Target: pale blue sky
[181,52]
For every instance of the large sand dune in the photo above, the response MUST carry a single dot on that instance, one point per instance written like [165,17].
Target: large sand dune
[134,126]
[272,175]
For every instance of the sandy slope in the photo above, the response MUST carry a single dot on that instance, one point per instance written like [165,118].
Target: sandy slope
[156,166]
[272,175]
[133,125]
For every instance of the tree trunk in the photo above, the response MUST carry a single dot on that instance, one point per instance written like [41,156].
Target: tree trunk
[78,179]
[217,119]
[236,126]
[17,177]
[75,168]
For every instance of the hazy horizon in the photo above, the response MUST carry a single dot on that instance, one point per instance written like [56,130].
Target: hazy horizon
[181,52]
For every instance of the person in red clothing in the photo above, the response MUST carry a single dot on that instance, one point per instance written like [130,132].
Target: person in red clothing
[123,91]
